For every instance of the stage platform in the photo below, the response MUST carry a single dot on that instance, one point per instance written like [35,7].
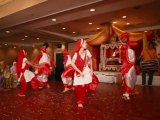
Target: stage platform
[115,77]
[108,77]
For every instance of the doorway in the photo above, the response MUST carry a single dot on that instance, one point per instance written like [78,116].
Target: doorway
[59,66]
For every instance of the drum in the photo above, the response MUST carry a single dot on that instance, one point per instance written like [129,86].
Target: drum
[149,65]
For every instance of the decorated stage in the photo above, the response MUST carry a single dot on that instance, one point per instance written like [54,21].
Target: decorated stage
[115,77]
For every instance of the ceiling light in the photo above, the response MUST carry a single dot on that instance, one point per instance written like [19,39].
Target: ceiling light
[128,23]
[5,44]
[97,28]
[63,28]
[145,31]
[114,22]
[54,20]
[22,39]
[25,36]
[7,31]
[124,16]
[14,47]
[37,38]
[90,23]
[92,10]
[73,32]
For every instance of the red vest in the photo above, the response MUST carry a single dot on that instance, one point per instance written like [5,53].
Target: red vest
[80,62]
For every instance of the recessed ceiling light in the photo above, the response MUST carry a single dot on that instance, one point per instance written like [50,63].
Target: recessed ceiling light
[63,28]
[97,28]
[14,47]
[7,31]
[128,23]
[90,23]
[5,44]
[22,39]
[92,10]
[124,16]
[54,20]
[145,31]
[25,36]
[114,22]
[73,32]
[37,38]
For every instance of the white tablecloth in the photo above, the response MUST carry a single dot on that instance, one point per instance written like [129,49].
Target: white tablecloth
[108,77]
[155,82]
[115,77]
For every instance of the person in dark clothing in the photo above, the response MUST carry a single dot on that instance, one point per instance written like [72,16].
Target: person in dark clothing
[149,57]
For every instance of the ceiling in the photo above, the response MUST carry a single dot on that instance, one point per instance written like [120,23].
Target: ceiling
[35,21]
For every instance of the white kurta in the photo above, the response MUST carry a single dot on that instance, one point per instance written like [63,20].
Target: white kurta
[131,77]
[67,80]
[68,60]
[28,75]
[44,59]
[79,80]
[131,55]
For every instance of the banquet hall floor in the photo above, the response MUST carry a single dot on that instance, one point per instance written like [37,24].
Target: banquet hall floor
[105,104]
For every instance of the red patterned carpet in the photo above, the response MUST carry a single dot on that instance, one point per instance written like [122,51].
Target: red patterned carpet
[104,104]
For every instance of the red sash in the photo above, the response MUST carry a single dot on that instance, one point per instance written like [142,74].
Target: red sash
[126,64]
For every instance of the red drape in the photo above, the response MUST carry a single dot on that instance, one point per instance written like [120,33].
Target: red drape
[96,57]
